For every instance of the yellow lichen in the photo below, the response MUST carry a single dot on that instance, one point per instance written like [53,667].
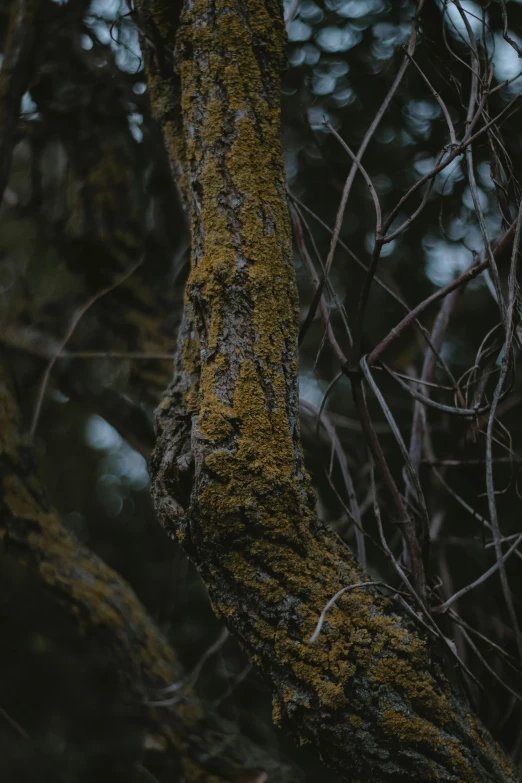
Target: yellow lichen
[277,715]
[331,695]
[269,588]
[395,672]
[421,732]
[414,730]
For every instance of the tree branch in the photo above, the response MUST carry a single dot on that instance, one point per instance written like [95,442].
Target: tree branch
[103,610]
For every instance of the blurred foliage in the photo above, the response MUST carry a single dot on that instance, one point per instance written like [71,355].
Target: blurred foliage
[72,220]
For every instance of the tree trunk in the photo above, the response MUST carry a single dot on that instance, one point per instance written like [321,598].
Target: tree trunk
[228,471]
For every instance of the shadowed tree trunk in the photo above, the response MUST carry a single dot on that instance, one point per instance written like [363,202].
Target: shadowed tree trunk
[228,473]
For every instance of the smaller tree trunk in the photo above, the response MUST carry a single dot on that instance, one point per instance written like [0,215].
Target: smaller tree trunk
[99,607]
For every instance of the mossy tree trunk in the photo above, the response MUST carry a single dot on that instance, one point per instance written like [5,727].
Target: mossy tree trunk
[228,471]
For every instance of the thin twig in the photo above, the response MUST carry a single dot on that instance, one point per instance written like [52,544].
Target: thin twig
[445,163]
[404,522]
[14,724]
[490,484]
[181,687]
[332,601]
[291,13]
[366,177]
[318,299]
[480,580]
[348,483]
[243,674]
[461,280]
[444,108]
[68,334]
[411,538]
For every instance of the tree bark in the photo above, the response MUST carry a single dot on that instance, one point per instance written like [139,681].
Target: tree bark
[228,472]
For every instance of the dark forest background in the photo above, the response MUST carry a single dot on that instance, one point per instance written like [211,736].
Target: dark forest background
[90,196]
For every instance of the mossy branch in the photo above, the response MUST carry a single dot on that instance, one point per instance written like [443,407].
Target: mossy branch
[369,693]
[102,609]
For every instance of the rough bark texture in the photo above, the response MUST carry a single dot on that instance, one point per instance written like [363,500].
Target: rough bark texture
[41,555]
[228,471]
